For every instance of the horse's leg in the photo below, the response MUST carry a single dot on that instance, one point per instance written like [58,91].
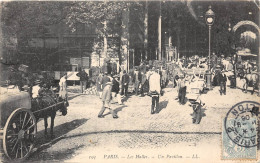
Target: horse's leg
[245,87]
[253,89]
[52,123]
[46,126]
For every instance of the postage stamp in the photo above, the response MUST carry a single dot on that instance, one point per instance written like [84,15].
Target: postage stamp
[240,131]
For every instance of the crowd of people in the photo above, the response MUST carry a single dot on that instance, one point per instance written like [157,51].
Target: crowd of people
[240,73]
[150,78]
[111,86]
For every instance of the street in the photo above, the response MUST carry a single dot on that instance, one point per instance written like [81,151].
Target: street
[136,135]
[54,52]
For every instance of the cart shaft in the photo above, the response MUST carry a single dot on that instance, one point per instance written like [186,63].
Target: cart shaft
[48,107]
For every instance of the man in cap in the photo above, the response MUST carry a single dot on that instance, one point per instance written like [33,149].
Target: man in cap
[124,84]
[107,82]
[115,89]
[181,88]
[222,80]
[83,77]
[154,89]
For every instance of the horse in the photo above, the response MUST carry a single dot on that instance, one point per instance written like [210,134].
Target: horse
[47,105]
[252,80]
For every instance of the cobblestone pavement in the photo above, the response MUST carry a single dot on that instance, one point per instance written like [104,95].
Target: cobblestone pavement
[136,135]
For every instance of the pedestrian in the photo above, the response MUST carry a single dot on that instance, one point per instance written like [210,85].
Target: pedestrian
[137,79]
[99,85]
[125,82]
[246,66]
[63,93]
[143,82]
[115,89]
[107,66]
[149,73]
[26,82]
[244,82]
[250,67]
[176,78]
[181,88]
[223,80]
[164,79]
[107,82]
[229,66]
[154,90]
[83,77]
[142,67]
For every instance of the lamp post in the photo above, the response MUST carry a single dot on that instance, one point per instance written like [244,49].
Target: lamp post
[230,44]
[229,40]
[210,17]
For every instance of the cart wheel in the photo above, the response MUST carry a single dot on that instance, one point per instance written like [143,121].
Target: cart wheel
[19,134]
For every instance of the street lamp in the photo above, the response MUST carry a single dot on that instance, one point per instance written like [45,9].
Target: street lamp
[229,39]
[229,27]
[210,18]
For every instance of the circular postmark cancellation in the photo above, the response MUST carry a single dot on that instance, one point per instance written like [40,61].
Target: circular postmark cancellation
[241,123]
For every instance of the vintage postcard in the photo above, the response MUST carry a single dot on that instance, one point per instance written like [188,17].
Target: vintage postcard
[129,81]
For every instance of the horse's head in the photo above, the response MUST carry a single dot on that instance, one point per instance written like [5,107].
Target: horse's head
[63,107]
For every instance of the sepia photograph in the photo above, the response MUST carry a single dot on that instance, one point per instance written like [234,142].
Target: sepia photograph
[129,81]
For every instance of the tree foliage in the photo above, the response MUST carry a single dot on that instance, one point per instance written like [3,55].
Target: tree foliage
[103,14]
[31,18]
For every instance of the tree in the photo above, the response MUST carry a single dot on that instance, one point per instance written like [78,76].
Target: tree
[104,15]
[99,13]
[177,15]
[22,21]
[31,18]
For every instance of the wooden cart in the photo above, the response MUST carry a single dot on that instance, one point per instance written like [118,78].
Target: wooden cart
[18,126]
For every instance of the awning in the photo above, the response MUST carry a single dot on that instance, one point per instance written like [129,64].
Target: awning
[247,55]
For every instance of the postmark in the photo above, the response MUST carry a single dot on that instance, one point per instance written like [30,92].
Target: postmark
[240,124]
